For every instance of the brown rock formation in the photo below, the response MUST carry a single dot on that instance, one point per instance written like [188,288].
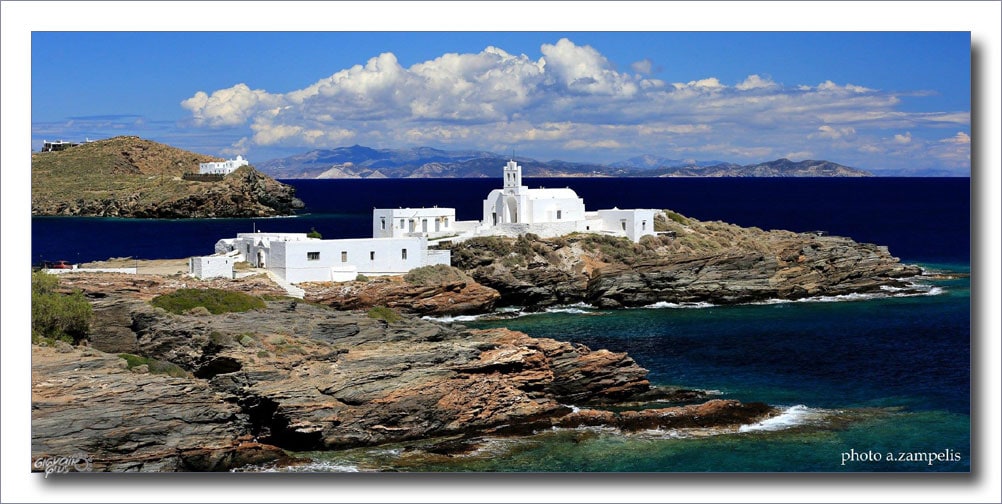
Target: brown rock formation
[703,262]
[301,376]
[450,292]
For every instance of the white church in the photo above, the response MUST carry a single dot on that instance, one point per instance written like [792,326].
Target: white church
[515,209]
[400,236]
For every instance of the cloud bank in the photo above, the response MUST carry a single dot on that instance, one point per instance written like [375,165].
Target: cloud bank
[572,99]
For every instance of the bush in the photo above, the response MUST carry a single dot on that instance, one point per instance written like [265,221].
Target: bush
[155,366]
[314,234]
[433,275]
[385,314]
[215,300]
[55,315]
[361,278]
[677,217]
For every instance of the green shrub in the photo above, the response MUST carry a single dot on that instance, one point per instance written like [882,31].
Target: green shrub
[220,339]
[155,366]
[55,315]
[314,234]
[433,275]
[263,353]
[385,314]
[677,217]
[215,300]
[361,278]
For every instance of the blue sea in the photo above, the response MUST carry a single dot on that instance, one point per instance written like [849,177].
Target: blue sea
[865,383]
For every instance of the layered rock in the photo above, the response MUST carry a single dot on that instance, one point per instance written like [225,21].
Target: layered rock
[701,262]
[87,402]
[304,377]
[450,292]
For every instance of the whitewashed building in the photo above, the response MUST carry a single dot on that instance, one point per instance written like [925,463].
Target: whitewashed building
[402,222]
[222,167]
[296,258]
[515,209]
[214,266]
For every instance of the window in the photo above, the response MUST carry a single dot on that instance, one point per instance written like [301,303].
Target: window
[372,255]
[622,222]
[559,212]
[402,224]
[446,221]
[313,256]
[643,225]
[382,223]
[403,254]
[344,256]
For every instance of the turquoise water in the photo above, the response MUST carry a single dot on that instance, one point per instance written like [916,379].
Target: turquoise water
[866,384]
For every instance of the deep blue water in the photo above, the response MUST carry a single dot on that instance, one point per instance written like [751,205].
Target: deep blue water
[882,375]
[920,219]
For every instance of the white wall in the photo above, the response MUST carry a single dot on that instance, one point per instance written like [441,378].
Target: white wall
[370,256]
[211,267]
[222,167]
[638,222]
[546,210]
[403,222]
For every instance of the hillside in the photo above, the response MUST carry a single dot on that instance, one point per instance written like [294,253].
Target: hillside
[423,162]
[128,176]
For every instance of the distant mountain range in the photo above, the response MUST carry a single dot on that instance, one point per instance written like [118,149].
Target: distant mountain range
[424,162]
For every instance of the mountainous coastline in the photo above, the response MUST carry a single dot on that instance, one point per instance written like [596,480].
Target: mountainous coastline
[128,176]
[423,162]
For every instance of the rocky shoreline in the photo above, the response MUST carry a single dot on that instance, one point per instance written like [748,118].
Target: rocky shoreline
[694,262]
[155,391]
[298,376]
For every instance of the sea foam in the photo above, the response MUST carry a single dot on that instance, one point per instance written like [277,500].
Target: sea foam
[790,417]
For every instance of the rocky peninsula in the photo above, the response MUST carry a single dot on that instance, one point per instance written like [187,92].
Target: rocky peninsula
[691,261]
[128,176]
[353,365]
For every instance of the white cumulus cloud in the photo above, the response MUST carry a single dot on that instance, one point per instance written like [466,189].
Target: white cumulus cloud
[643,66]
[568,97]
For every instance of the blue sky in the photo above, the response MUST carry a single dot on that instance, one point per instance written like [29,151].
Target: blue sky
[888,102]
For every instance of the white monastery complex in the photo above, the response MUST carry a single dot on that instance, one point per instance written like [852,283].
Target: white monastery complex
[400,236]
[223,167]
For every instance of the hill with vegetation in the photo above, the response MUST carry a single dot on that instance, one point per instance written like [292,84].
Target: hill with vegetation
[128,176]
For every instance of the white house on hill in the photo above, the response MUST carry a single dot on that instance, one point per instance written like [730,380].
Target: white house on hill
[222,167]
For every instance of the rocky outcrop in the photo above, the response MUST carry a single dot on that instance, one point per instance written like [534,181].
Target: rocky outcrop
[132,177]
[700,262]
[88,403]
[453,293]
[300,376]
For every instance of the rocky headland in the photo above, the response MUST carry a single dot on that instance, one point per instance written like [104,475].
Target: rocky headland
[151,390]
[128,176]
[690,262]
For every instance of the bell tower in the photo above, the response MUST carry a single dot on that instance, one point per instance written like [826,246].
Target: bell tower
[512,176]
